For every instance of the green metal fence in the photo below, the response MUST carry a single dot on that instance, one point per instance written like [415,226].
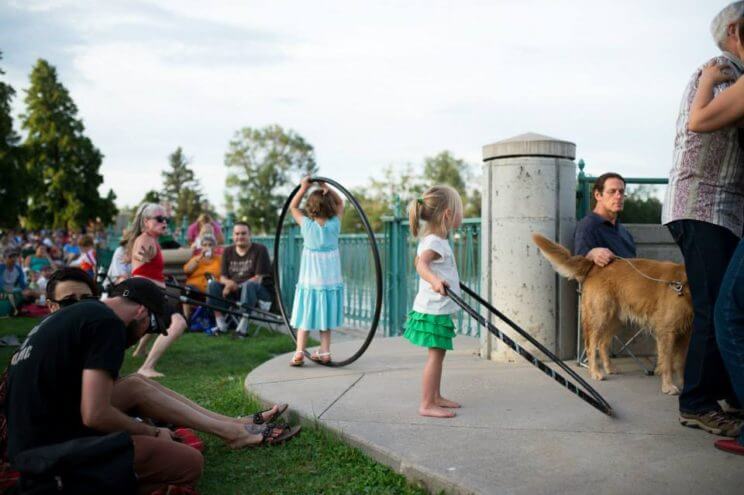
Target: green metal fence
[397,251]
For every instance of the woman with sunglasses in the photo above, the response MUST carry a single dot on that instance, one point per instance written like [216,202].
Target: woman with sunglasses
[143,249]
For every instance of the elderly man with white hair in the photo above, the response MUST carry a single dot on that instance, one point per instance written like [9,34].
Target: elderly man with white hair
[704,211]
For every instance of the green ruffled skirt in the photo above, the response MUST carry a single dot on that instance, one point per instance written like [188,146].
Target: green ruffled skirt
[430,330]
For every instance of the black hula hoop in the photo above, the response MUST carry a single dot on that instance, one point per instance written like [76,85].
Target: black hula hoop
[187,290]
[375,255]
[592,397]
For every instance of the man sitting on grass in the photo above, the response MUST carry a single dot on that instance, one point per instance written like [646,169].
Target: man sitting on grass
[65,373]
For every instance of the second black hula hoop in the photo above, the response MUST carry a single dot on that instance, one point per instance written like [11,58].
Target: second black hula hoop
[375,255]
[588,394]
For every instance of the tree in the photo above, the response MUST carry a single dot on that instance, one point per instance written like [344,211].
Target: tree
[62,163]
[181,188]
[12,185]
[641,206]
[444,168]
[151,196]
[379,198]
[262,165]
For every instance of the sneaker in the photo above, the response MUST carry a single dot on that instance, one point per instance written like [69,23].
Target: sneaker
[212,332]
[715,422]
[729,445]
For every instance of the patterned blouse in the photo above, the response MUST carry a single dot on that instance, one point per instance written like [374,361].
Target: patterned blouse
[706,182]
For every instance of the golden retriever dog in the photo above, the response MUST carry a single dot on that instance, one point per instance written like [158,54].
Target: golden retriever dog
[619,294]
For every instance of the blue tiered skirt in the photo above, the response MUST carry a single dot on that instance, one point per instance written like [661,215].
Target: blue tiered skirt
[319,295]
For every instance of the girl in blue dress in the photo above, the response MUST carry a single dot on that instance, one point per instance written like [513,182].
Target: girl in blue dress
[319,294]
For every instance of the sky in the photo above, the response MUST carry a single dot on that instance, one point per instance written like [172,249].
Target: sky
[369,84]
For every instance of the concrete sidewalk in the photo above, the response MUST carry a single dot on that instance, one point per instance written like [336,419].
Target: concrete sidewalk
[517,433]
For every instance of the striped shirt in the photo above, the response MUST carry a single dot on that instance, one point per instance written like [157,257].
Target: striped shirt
[706,182]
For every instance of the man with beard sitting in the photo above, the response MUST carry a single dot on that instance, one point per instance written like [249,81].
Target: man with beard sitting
[62,387]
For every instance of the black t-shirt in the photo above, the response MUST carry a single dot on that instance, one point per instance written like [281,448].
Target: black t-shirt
[45,375]
[256,261]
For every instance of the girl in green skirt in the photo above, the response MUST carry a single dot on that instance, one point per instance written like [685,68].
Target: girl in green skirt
[430,324]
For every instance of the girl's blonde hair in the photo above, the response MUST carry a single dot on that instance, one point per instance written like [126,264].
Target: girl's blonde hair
[430,208]
[144,212]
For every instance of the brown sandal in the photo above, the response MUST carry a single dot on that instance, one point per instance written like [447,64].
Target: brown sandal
[258,418]
[297,362]
[287,433]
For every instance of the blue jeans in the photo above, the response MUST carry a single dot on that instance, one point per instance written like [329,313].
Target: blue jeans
[707,250]
[250,293]
[729,317]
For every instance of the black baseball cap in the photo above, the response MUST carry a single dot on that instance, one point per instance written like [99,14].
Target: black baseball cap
[146,293]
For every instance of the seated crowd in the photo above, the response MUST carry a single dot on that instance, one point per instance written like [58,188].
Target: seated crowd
[29,258]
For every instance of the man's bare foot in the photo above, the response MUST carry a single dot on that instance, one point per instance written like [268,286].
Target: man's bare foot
[442,402]
[149,373]
[436,412]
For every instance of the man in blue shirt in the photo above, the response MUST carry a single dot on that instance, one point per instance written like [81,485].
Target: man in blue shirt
[600,236]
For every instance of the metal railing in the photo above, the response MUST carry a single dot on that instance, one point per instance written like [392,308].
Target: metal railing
[397,250]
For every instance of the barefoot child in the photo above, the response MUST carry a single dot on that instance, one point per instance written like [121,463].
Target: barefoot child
[429,324]
[319,295]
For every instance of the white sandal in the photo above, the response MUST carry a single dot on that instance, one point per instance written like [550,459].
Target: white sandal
[321,357]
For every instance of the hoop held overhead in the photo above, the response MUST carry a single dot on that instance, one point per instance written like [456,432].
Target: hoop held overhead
[375,255]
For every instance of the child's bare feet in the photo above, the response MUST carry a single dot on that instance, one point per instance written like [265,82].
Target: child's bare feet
[442,402]
[436,412]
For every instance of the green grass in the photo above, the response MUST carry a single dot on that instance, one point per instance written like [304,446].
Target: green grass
[211,371]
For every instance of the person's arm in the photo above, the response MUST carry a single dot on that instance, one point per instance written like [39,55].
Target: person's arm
[98,413]
[585,245]
[708,114]
[192,264]
[230,285]
[143,250]
[423,268]
[294,205]
[600,256]
[27,261]
[263,265]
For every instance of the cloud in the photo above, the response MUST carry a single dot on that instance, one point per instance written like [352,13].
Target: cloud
[368,84]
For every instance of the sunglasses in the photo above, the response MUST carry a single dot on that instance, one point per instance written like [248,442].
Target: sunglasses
[161,219]
[70,300]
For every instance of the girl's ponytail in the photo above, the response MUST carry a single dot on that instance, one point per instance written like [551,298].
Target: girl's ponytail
[414,216]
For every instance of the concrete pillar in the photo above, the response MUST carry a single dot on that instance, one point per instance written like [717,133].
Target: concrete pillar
[529,185]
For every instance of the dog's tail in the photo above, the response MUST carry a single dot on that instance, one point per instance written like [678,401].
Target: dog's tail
[571,267]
